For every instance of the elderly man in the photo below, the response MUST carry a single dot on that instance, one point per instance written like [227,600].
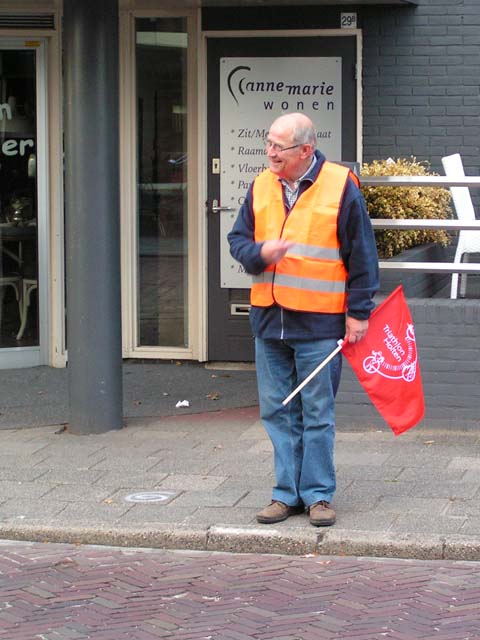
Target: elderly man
[305,236]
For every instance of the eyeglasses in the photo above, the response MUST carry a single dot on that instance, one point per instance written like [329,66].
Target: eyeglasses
[278,147]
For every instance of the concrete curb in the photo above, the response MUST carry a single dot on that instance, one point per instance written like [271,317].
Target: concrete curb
[253,539]
[262,540]
[385,545]
[162,537]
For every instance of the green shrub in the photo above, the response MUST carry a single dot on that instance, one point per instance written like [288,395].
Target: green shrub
[405,202]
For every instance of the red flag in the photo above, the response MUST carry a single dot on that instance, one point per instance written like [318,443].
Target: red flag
[386,365]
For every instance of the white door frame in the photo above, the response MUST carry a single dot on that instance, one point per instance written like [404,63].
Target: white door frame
[128,179]
[16,357]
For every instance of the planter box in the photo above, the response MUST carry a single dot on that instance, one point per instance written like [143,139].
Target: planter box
[419,284]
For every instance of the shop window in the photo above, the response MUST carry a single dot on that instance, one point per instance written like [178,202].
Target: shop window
[18,200]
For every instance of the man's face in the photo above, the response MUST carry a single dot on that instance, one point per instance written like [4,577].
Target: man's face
[289,164]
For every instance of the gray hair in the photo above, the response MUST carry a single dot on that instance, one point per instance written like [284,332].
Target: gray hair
[305,134]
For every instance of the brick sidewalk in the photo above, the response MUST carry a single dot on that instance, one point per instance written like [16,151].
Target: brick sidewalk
[61,591]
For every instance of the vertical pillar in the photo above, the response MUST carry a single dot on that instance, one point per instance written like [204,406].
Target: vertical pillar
[91,64]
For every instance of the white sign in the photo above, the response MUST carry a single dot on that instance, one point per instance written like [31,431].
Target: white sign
[348,20]
[253,92]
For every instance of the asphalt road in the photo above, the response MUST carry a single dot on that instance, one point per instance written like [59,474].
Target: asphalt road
[39,396]
[68,592]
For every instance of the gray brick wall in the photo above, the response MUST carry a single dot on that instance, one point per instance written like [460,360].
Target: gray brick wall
[420,67]
[421,97]
[447,338]
[421,82]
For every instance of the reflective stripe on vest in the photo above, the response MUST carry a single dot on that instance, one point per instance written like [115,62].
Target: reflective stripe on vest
[311,276]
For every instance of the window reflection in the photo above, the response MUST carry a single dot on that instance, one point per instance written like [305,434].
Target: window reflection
[18,200]
[161,58]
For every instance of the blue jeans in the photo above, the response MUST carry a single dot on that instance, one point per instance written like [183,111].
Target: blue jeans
[303,432]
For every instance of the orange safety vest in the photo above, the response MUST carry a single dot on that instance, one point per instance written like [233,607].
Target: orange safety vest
[311,276]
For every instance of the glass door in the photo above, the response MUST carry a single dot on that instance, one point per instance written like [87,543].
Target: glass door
[22,203]
[237,122]
[162,240]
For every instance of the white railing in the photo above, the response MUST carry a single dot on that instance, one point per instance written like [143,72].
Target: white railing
[404,224]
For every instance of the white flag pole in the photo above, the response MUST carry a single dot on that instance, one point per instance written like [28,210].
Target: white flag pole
[314,373]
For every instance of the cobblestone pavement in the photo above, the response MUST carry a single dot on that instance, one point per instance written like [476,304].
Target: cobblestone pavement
[68,592]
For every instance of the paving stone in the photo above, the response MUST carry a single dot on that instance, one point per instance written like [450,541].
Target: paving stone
[184,482]
[426,524]
[352,458]
[21,474]
[427,474]
[256,498]
[91,514]
[350,473]
[449,438]
[371,448]
[357,521]
[69,458]
[219,498]
[262,466]
[21,509]
[464,463]
[471,527]
[446,489]
[355,504]
[225,453]
[147,480]
[465,508]
[212,515]
[157,513]
[251,482]
[125,463]
[261,447]
[255,432]
[15,447]
[368,435]
[361,489]
[185,465]
[69,476]
[18,489]
[472,475]
[422,506]
[17,460]
[419,458]
[145,436]
[70,445]
[77,493]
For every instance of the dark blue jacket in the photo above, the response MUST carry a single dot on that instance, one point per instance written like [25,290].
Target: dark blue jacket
[359,254]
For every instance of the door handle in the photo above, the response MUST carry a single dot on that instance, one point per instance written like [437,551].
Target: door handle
[216,208]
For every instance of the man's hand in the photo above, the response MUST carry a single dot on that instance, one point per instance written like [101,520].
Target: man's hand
[272,251]
[355,329]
